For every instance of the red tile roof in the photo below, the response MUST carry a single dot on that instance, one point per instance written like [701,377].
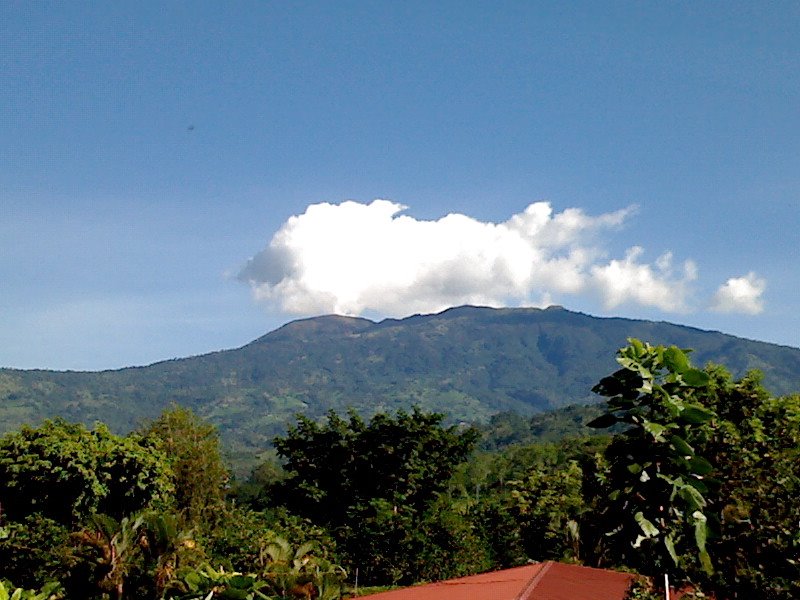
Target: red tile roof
[559,581]
[542,581]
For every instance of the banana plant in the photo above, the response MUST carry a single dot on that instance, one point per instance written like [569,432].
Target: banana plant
[113,546]
[301,571]
[167,546]
[206,583]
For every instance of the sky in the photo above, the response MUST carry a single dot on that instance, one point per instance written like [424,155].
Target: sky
[183,177]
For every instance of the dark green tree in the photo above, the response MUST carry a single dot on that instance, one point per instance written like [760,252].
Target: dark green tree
[657,507]
[371,483]
[32,551]
[404,459]
[756,450]
[533,502]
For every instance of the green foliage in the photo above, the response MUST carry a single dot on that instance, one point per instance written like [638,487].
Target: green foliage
[255,489]
[549,505]
[701,467]
[135,554]
[50,591]
[240,540]
[166,547]
[736,448]
[290,567]
[192,448]
[397,545]
[446,544]
[66,472]
[150,556]
[497,525]
[32,551]
[108,550]
[657,480]
[404,459]
[468,362]
[757,450]
[643,588]
[205,583]
[287,571]
[371,484]
[530,502]
[507,429]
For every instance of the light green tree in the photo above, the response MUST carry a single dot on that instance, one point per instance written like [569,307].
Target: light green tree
[192,448]
[67,472]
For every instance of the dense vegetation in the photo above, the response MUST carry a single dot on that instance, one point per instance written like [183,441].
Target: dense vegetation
[469,363]
[693,472]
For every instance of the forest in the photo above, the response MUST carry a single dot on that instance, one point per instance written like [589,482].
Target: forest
[683,470]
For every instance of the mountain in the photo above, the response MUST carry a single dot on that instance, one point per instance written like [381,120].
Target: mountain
[468,362]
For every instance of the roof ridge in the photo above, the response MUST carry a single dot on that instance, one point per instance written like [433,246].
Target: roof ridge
[528,589]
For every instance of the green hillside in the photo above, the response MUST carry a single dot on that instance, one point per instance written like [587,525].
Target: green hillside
[467,362]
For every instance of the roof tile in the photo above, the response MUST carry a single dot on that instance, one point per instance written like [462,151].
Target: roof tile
[542,581]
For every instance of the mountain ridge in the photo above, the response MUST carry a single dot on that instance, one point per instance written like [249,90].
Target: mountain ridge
[468,362]
[388,320]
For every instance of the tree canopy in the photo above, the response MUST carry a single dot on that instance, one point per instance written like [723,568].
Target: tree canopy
[371,483]
[697,475]
[655,475]
[192,449]
[403,459]
[705,480]
[66,472]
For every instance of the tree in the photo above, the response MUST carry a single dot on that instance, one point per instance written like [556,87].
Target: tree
[301,570]
[404,459]
[756,449]
[192,449]
[708,468]
[532,502]
[548,506]
[370,484]
[66,472]
[656,479]
[166,547]
[32,550]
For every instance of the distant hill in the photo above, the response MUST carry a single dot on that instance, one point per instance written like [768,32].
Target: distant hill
[468,362]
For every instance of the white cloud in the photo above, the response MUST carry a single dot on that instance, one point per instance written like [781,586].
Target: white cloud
[353,258]
[740,295]
[629,281]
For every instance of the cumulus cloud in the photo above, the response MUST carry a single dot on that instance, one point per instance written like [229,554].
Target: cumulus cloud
[630,281]
[352,258]
[740,295]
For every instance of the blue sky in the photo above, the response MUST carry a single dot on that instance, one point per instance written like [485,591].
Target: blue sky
[148,151]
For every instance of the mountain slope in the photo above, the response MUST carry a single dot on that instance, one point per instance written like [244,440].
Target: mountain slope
[468,362]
